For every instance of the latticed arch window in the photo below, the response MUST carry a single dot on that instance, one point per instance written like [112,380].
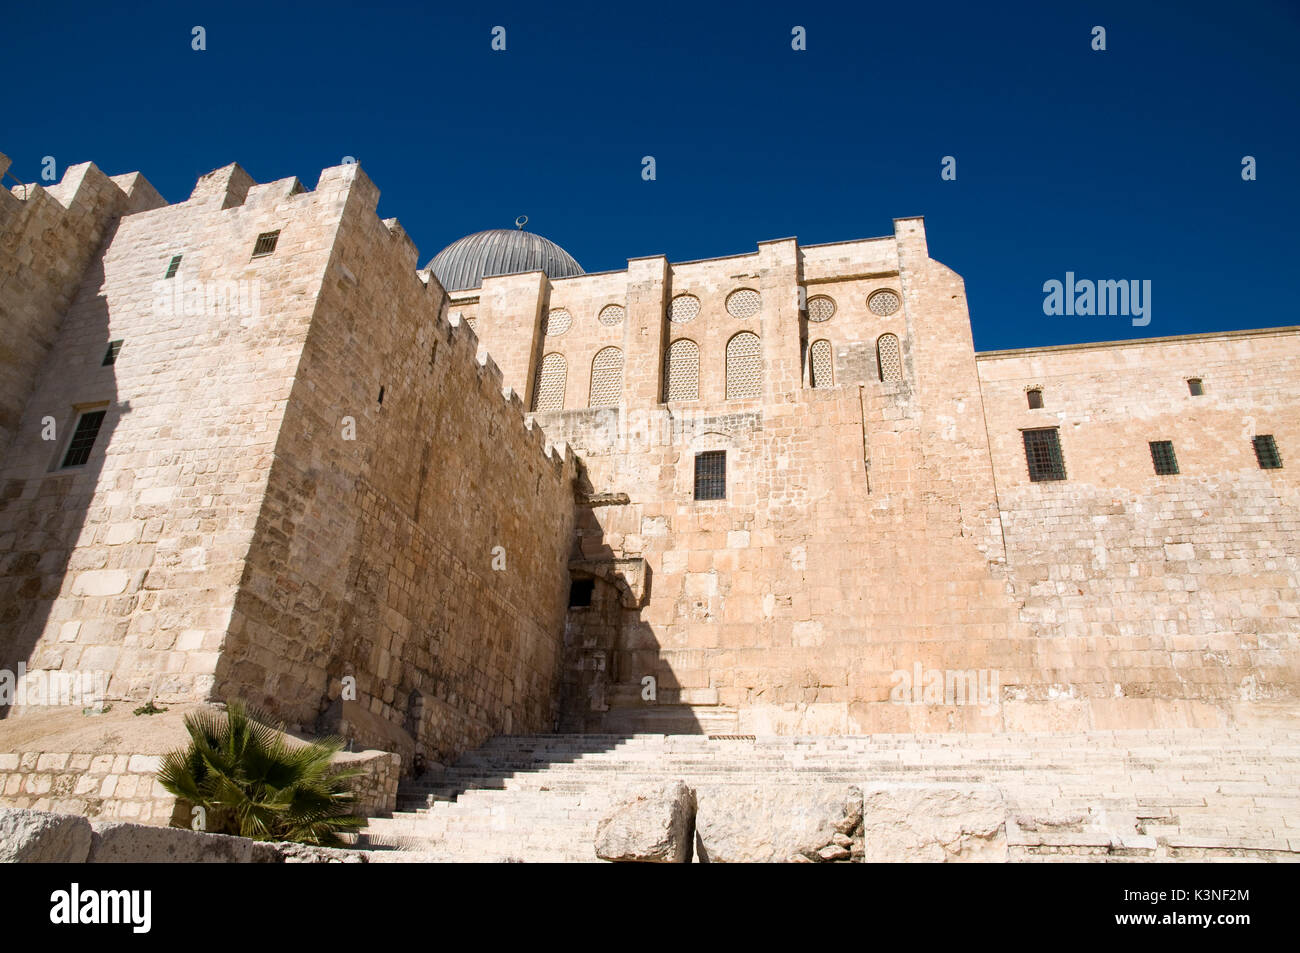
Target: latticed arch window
[744,367]
[889,356]
[683,308]
[744,303]
[549,392]
[556,322]
[883,302]
[682,371]
[821,308]
[820,364]
[606,378]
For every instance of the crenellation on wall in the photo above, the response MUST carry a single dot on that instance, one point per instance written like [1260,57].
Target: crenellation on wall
[359,522]
[225,187]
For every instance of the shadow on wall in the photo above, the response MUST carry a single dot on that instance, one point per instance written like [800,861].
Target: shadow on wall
[45,494]
[614,679]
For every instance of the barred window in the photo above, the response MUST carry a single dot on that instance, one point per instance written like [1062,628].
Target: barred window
[549,392]
[889,357]
[683,308]
[682,371]
[606,378]
[83,438]
[173,266]
[110,356]
[821,308]
[611,315]
[711,475]
[1162,457]
[744,303]
[266,243]
[1035,399]
[820,371]
[744,367]
[1043,454]
[1266,452]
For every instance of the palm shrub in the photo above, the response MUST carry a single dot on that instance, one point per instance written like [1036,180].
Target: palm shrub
[240,768]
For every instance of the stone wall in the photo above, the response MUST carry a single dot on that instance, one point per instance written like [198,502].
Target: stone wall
[414,541]
[869,528]
[1191,582]
[128,565]
[108,786]
[48,235]
[123,786]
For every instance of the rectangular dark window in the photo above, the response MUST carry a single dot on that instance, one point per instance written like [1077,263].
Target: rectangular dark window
[1035,399]
[711,475]
[580,591]
[266,243]
[173,267]
[1194,386]
[1162,455]
[83,438]
[110,356]
[1266,452]
[1043,454]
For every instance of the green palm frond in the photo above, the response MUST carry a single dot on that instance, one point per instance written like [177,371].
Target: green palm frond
[242,768]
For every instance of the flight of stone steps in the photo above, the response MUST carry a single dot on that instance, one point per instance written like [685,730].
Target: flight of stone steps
[1110,796]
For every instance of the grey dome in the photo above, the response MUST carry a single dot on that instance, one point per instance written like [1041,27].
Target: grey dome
[500,251]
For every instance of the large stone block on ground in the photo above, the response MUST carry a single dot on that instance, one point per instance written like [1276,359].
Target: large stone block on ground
[124,843]
[934,823]
[653,827]
[283,852]
[792,821]
[38,837]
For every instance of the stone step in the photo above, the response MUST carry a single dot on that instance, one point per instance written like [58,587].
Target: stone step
[1147,795]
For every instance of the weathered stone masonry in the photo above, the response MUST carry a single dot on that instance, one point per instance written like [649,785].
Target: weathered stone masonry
[224,539]
[337,491]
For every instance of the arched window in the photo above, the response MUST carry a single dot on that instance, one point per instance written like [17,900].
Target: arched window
[606,378]
[744,367]
[549,392]
[890,358]
[682,371]
[820,365]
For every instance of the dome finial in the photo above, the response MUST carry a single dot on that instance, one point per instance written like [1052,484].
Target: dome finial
[521,221]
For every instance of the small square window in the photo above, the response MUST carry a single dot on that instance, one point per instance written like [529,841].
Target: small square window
[1266,452]
[580,591]
[110,356]
[266,243]
[1035,399]
[1162,456]
[173,267]
[83,438]
[1043,454]
[1195,387]
[711,475]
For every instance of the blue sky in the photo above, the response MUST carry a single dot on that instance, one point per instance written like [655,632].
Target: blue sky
[1123,164]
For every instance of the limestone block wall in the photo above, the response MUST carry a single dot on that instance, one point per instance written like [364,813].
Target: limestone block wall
[48,236]
[863,531]
[107,786]
[1192,581]
[414,541]
[859,535]
[128,564]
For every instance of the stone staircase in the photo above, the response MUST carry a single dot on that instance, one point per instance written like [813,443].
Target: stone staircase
[1104,795]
